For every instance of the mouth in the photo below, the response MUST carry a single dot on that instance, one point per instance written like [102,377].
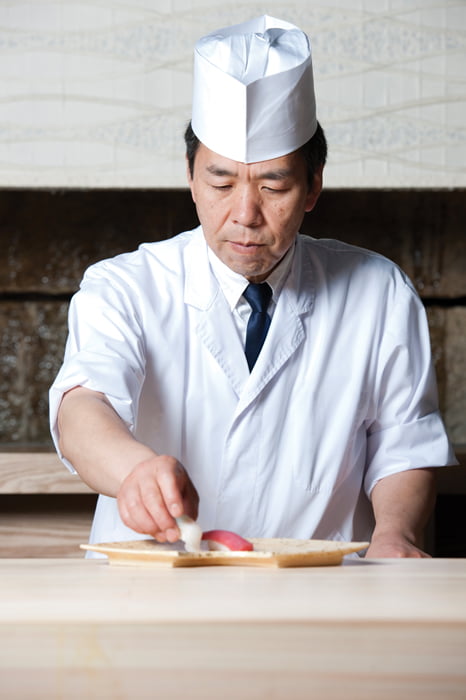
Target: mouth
[245,248]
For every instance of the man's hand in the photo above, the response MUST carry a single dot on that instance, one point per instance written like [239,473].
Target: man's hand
[151,490]
[394,546]
[156,492]
[402,504]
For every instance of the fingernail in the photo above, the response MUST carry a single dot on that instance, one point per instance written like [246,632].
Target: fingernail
[175,510]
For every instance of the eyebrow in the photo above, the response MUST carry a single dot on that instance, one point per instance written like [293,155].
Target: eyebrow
[220,172]
[279,174]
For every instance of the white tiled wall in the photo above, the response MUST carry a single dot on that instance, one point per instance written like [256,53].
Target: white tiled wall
[96,93]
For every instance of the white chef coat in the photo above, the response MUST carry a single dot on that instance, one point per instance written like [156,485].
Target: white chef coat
[342,394]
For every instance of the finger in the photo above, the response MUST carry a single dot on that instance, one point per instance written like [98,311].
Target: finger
[155,505]
[142,508]
[133,512]
[144,501]
[172,480]
[185,488]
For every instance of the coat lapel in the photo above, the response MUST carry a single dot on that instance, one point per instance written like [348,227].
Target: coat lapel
[215,325]
[214,321]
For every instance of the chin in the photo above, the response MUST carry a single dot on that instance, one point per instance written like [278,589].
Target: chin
[252,272]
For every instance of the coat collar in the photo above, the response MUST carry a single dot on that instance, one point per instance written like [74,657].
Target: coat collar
[201,286]
[215,325]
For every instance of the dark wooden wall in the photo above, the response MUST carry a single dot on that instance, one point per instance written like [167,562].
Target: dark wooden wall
[47,239]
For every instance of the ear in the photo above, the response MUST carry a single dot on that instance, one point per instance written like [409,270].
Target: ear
[315,190]
[190,180]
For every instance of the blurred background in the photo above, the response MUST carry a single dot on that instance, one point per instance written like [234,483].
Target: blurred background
[94,99]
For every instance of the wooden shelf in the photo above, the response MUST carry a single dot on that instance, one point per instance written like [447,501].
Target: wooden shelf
[45,525]
[45,510]
[24,472]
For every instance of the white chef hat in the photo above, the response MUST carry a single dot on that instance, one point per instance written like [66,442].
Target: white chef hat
[253,95]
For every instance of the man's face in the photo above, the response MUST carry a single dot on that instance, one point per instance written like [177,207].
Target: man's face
[251,213]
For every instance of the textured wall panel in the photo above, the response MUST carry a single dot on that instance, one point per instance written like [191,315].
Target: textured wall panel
[50,238]
[32,336]
[47,239]
[97,94]
[32,339]
[447,330]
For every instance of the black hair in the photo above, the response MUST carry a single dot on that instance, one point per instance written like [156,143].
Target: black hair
[314,151]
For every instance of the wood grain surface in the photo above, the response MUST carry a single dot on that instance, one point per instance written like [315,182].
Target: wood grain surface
[370,629]
[37,472]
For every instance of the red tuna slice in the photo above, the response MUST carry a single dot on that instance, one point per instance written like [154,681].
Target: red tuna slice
[226,540]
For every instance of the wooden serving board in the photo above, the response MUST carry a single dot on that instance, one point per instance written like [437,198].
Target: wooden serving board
[274,552]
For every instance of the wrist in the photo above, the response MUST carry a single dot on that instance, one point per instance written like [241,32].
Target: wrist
[393,534]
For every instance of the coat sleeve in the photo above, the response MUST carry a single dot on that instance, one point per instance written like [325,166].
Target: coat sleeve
[407,432]
[105,349]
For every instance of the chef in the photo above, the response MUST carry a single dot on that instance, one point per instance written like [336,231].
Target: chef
[262,381]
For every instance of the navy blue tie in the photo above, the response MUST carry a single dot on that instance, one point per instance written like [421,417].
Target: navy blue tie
[258,296]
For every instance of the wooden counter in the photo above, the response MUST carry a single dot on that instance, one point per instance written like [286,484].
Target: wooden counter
[368,629]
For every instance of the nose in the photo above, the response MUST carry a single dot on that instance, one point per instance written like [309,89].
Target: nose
[246,207]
